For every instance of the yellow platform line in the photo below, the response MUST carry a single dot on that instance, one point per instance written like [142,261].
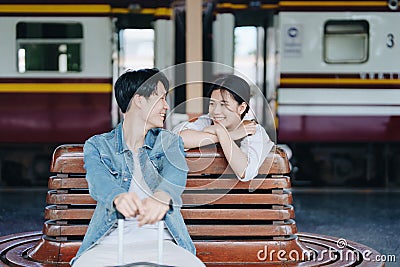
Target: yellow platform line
[55,88]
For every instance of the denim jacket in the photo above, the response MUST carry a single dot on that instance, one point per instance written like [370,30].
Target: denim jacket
[109,163]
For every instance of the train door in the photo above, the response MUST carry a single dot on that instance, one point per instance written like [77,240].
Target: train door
[146,46]
[133,49]
[250,50]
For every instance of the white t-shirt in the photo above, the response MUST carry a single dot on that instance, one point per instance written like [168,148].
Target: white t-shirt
[132,232]
[256,146]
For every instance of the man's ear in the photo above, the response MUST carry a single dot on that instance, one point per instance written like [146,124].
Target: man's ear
[137,100]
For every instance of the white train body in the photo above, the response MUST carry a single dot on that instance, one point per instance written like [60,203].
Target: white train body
[339,76]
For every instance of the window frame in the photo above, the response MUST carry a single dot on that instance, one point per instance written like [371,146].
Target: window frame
[30,39]
[364,32]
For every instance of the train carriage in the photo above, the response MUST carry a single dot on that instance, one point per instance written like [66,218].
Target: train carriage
[342,71]
[339,89]
[56,78]
[55,86]
[58,63]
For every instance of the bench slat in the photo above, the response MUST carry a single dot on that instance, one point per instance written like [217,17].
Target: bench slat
[192,183]
[241,230]
[238,214]
[188,199]
[52,229]
[237,199]
[226,183]
[67,183]
[69,159]
[67,199]
[53,213]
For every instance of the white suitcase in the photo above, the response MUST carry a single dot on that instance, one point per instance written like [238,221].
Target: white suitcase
[121,246]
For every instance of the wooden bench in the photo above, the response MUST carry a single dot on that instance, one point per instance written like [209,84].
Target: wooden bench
[229,221]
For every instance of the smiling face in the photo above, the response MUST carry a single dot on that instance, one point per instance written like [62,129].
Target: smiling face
[225,109]
[155,108]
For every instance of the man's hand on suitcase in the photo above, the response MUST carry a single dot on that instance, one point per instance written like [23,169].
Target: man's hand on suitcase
[148,211]
[129,204]
[155,208]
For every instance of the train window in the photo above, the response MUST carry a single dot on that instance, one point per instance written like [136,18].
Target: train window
[137,48]
[247,50]
[346,41]
[49,46]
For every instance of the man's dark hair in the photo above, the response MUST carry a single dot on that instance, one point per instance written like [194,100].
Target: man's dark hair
[142,82]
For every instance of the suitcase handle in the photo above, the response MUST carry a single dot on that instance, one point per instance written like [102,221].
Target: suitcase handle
[121,220]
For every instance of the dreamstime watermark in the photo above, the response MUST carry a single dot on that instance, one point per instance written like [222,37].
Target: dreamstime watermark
[342,253]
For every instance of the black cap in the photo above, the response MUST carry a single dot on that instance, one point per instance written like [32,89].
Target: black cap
[233,84]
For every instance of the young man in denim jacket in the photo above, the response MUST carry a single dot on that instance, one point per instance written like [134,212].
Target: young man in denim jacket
[140,170]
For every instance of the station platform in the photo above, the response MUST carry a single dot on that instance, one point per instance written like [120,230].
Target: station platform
[367,216]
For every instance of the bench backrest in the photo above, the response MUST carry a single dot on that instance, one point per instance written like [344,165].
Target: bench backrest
[234,224]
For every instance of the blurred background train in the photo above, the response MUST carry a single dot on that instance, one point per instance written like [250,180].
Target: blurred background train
[330,71]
